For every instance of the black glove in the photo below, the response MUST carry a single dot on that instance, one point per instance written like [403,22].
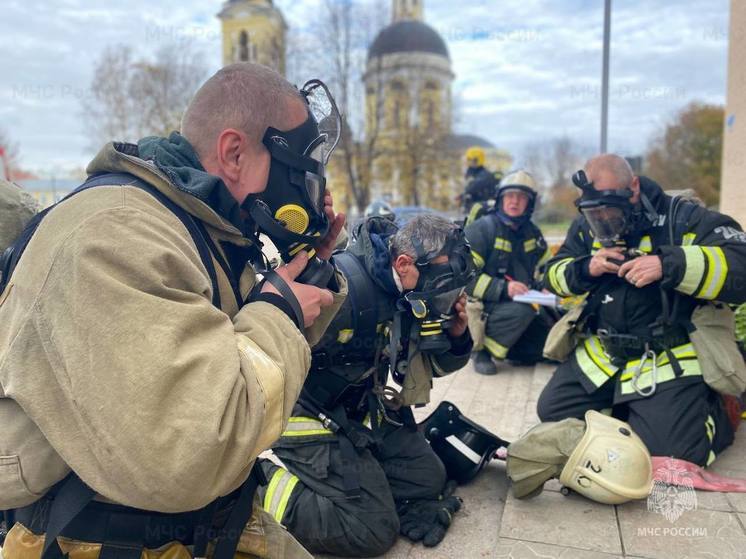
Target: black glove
[428,519]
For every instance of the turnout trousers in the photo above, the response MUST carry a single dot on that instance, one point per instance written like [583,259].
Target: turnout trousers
[515,331]
[683,419]
[308,496]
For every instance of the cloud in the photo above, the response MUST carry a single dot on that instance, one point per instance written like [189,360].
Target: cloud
[526,70]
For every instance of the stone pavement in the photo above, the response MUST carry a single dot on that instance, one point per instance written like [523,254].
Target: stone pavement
[493,523]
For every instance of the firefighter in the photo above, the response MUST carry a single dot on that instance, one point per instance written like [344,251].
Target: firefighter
[479,193]
[649,264]
[357,471]
[510,249]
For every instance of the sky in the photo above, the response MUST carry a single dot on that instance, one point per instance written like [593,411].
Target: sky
[526,71]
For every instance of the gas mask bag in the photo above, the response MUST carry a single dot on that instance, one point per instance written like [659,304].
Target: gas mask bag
[290,210]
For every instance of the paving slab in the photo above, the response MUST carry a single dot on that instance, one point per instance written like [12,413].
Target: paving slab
[553,519]
[696,534]
[516,549]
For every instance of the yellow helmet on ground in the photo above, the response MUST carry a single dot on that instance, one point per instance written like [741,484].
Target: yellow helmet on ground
[611,464]
[475,156]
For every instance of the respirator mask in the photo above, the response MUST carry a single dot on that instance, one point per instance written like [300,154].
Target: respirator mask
[290,211]
[438,289]
[610,213]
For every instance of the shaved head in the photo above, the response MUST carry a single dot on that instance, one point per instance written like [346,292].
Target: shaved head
[609,171]
[244,96]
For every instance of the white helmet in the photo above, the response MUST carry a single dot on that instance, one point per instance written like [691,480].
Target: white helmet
[610,464]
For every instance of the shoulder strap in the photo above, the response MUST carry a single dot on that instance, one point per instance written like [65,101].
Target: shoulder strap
[497,258]
[13,254]
[680,211]
[361,295]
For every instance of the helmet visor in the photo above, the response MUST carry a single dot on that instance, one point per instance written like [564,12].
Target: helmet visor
[608,223]
[324,110]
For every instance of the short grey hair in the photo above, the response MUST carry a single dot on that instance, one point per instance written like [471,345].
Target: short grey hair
[615,165]
[430,230]
[244,96]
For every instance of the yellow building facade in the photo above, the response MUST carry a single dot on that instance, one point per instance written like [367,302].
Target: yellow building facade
[253,31]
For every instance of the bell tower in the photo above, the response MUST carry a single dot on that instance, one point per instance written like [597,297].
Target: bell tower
[253,31]
[407,10]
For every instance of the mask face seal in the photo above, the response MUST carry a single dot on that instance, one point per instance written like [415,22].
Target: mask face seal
[290,210]
[609,213]
[438,288]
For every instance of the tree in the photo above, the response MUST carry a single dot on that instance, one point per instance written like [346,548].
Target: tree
[687,152]
[131,98]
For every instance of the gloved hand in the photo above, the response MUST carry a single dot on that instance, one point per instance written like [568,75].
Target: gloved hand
[428,519]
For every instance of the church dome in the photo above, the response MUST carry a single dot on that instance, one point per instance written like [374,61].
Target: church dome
[408,36]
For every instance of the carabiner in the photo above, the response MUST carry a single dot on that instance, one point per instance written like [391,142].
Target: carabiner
[648,355]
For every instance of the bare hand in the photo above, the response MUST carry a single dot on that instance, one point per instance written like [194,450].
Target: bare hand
[337,221]
[642,271]
[516,288]
[600,265]
[310,298]
[460,319]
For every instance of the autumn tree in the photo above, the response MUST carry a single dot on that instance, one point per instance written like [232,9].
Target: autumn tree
[688,151]
[131,97]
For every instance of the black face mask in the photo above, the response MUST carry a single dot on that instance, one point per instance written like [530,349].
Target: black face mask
[290,210]
[438,288]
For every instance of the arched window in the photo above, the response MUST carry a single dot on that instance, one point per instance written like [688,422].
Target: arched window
[243,47]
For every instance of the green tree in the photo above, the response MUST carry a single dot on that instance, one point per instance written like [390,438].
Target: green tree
[688,152]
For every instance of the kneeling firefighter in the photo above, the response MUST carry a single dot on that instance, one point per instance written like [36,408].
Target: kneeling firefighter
[141,373]
[654,339]
[510,251]
[357,472]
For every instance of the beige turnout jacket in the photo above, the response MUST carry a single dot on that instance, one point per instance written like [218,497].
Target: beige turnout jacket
[114,363]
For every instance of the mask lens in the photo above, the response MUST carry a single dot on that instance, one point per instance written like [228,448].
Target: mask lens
[608,223]
[324,110]
[315,186]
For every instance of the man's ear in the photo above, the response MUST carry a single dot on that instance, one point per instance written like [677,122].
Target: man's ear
[229,150]
[635,184]
[403,264]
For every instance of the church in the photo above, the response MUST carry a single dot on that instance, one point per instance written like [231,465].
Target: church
[409,154]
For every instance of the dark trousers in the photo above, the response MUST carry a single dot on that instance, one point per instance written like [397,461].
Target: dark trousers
[671,422]
[325,520]
[518,331]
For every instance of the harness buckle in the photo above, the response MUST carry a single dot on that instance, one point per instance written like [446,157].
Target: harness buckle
[649,354]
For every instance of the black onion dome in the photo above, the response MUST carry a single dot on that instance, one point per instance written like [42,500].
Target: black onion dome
[408,36]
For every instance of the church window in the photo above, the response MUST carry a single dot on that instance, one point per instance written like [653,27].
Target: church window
[243,47]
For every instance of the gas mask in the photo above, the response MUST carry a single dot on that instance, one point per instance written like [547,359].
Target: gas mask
[611,214]
[438,288]
[290,210]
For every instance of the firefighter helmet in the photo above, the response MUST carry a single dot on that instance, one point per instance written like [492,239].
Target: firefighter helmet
[475,156]
[611,464]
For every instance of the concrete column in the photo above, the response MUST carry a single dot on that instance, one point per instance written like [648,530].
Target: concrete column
[733,186]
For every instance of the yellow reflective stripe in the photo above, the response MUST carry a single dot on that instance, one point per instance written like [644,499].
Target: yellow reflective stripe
[681,352]
[305,427]
[597,353]
[689,239]
[717,271]
[646,244]
[496,349]
[478,260]
[557,277]
[710,458]
[345,335]
[596,247]
[473,213]
[665,373]
[554,276]
[589,367]
[710,427]
[695,269]
[529,245]
[483,282]
[278,493]
[503,244]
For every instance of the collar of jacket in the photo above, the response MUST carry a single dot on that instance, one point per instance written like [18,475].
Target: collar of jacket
[654,193]
[372,248]
[172,167]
